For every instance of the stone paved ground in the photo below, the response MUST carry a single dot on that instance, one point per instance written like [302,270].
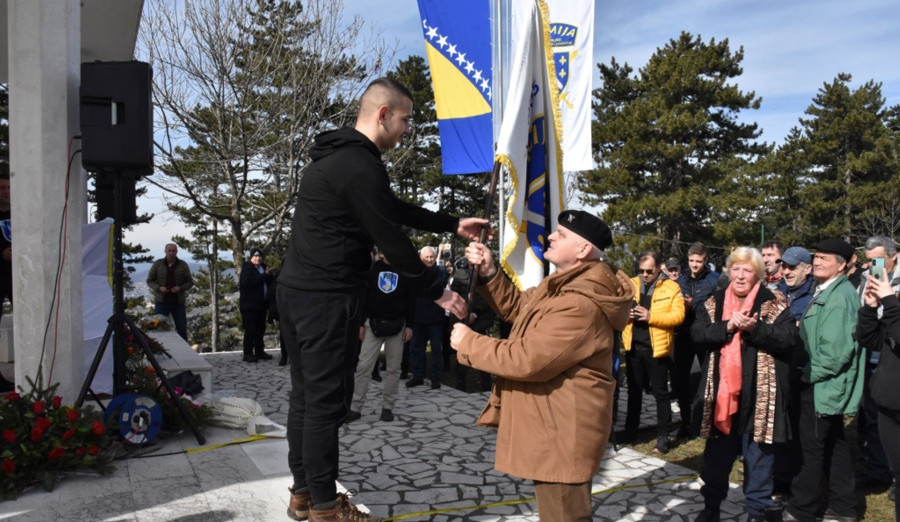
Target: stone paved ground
[431,463]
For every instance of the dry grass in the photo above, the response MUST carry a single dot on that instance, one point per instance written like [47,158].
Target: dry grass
[873,506]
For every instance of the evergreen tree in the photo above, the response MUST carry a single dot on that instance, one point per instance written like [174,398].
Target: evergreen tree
[669,146]
[849,150]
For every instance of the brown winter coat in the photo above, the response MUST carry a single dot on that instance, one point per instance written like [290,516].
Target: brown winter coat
[554,371]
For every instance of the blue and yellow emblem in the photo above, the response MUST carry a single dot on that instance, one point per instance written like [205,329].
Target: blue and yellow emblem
[387,281]
[562,36]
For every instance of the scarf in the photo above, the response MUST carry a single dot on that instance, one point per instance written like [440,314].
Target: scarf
[729,392]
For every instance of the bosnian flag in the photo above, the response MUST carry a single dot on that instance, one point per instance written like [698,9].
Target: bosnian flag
[458,46]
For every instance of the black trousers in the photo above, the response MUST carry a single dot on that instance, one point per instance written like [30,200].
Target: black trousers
[684,385]
[822,441]
[644,371]
[889,428]
[254,323]
[321,330]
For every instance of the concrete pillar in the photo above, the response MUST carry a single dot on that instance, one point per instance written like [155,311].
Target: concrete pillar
[44,75]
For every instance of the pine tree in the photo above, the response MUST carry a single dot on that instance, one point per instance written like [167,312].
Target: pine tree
[669,145]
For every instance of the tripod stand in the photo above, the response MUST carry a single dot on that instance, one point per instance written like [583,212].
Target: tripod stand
[118,321]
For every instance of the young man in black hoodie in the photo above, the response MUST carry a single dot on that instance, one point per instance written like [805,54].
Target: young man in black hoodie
[344,206]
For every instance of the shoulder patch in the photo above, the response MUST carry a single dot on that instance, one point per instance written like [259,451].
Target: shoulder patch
[387,281]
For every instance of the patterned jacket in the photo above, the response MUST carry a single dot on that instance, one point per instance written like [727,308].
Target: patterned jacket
[765,353]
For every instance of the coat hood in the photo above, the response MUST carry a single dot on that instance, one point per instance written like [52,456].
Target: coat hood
[328,142]
[611,291]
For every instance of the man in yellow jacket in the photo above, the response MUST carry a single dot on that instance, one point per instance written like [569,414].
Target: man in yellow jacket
[648,338]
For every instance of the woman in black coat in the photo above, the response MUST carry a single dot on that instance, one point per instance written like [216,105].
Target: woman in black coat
[748,334]
[884,334]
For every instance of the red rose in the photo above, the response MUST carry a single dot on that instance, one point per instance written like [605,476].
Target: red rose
[68,434]
[97,428]
[12,396]
[38,407]
[94,450]
[37,434]
[56,453]
[42,423]
[57,401]
[72,415]
[9,466]
[9,436]
[80,451]
[150,370]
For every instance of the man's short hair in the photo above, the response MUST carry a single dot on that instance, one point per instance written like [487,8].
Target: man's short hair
[397,89]
[777,245]
[653,254]
[890,248]
[424,248]
[698,249]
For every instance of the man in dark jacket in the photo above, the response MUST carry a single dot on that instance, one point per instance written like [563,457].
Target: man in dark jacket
[344,207]
[390,303]
[169,280]
[697,284]
[255,285]
[428,328]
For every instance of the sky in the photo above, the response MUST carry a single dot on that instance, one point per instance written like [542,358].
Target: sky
[791,49]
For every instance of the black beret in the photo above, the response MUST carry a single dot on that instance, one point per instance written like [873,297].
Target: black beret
[587,226]
[835,246]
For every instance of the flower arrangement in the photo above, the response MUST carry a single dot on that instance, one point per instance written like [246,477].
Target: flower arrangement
[155,322]
[40,439]
[142,378]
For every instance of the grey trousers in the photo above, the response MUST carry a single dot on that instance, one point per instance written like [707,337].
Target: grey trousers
[368,356]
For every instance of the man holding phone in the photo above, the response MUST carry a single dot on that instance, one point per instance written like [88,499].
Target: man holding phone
[881,252]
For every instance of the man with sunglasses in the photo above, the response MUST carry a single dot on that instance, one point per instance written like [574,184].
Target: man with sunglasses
[648,339]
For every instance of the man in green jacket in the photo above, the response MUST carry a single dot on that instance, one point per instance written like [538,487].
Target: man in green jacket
[832,387]
[169,280]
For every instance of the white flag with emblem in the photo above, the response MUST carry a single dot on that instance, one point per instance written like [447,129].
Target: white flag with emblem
[528,146]
[572,38]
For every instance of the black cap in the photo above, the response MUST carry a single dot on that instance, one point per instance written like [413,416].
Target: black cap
[587,226]
[672,264]
[835,246]
[256,252]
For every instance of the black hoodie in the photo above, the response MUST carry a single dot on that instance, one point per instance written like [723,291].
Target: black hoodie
[344,207]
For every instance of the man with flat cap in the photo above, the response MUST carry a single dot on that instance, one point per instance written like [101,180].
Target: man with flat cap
[831,387]
[555,379]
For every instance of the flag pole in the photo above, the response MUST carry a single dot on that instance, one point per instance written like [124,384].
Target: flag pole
[488,206]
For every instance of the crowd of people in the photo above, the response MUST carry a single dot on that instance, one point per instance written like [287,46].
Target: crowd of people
[765,360]
[788,346]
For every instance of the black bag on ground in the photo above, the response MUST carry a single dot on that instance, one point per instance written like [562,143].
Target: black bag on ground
[386,327]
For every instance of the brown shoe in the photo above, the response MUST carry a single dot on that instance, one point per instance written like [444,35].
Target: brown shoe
[343,510]
[299,506]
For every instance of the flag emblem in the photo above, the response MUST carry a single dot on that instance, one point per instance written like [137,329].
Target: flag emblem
[387,282]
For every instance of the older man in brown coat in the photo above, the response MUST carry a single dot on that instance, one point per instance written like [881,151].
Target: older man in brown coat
[555,382]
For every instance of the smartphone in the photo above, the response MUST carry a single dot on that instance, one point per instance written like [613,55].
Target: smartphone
[878,268]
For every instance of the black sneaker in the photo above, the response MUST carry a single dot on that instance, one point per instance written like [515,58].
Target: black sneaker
[435,385]
[263,356]
[352,416]
[708,515]
[662,446]
[250,359]
[414,382]
[387,415]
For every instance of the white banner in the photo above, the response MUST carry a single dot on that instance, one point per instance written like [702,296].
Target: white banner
[528,146]
[572,38]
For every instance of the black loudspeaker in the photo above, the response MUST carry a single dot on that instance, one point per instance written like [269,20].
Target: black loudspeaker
[105,185]
[116,117]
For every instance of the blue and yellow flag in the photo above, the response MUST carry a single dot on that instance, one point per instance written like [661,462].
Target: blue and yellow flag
[458,46]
